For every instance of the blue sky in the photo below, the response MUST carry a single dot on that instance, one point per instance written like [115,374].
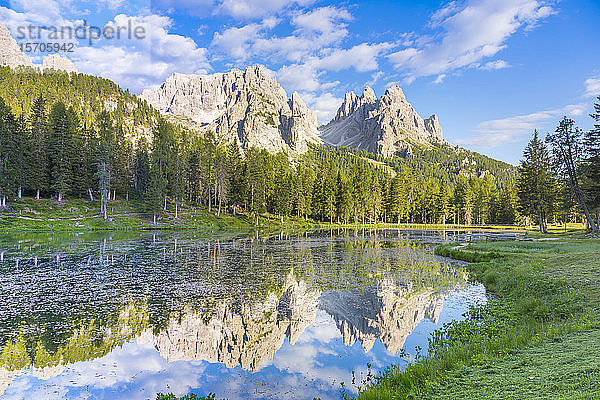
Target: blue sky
[493,70]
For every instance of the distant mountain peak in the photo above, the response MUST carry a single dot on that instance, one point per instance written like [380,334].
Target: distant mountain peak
[10,52]
[384,126]
[58,63]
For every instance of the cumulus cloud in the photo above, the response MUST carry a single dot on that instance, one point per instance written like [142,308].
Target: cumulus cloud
[466,35]
[139,64]
[245,9]
[325,105]
[492,65]
[362,58]
[327,25]
[592,87]
[235,41]
[497,132]
[299,77]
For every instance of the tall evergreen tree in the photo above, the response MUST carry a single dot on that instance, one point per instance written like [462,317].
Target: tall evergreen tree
[567,152]
[63,125]
[8,126]
[536,187]
[591,166]
[38,125]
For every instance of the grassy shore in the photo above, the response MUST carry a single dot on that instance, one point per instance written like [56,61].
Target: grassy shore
[46,215]
[537,338]
[81,215]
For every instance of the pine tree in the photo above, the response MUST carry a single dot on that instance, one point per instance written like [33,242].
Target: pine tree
[8,127]
[38,128]
[236,168]
[63,125]
[105,159]
[567,152]
[536,187]
[141,168]
[591,166]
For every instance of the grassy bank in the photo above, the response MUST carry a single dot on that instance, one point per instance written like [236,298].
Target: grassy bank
[537,338]
[29,214]
[80,215]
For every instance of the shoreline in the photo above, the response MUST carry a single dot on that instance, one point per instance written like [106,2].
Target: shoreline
[30,215]
[546,294]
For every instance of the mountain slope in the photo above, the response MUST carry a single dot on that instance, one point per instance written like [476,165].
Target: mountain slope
[385,126]
[88,95]
[249,107]
[10,52]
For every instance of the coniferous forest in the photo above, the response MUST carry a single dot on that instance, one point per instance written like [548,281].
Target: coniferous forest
[83,137]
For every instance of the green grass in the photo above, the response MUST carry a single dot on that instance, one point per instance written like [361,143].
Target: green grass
[568,367]
[544,296]
[78,215]
[81,215]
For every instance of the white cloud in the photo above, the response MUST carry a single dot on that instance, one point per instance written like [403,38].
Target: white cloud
[592,87]
[440,78]
[142,63]
[313,31]
[300,78]
[236,42]
[324,105]
[504,131]
[132,62]
[326,24]
[244,9]
[467,35]
[492,65]
[362,58]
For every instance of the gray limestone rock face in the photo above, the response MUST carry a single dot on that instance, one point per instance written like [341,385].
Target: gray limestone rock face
[384,126]
[10,52]
[59,63]
[248,107]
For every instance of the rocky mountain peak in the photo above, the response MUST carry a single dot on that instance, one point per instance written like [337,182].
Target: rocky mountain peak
[385,126]
[395,93]
[59,63]
[368,95]
[10,52]
[248,107]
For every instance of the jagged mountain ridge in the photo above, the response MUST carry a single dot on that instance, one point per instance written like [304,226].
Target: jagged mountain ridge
[252,109]
[249,107]
[385,125]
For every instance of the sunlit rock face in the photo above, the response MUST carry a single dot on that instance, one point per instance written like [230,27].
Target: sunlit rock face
[384,311]
[10,52]
[248,107]
[56,62]
[385,126]
[240,334]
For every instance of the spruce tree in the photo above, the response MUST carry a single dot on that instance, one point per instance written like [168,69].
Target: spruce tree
[591,165]
[8,127]
[38,134]
[536,187]
[62,127]
[567,152]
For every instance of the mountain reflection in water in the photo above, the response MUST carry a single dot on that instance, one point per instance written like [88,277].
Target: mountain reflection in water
[126,316]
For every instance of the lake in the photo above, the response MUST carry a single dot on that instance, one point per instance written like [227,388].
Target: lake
[245,316]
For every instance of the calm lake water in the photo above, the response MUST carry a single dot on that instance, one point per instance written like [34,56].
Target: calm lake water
[244,316]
